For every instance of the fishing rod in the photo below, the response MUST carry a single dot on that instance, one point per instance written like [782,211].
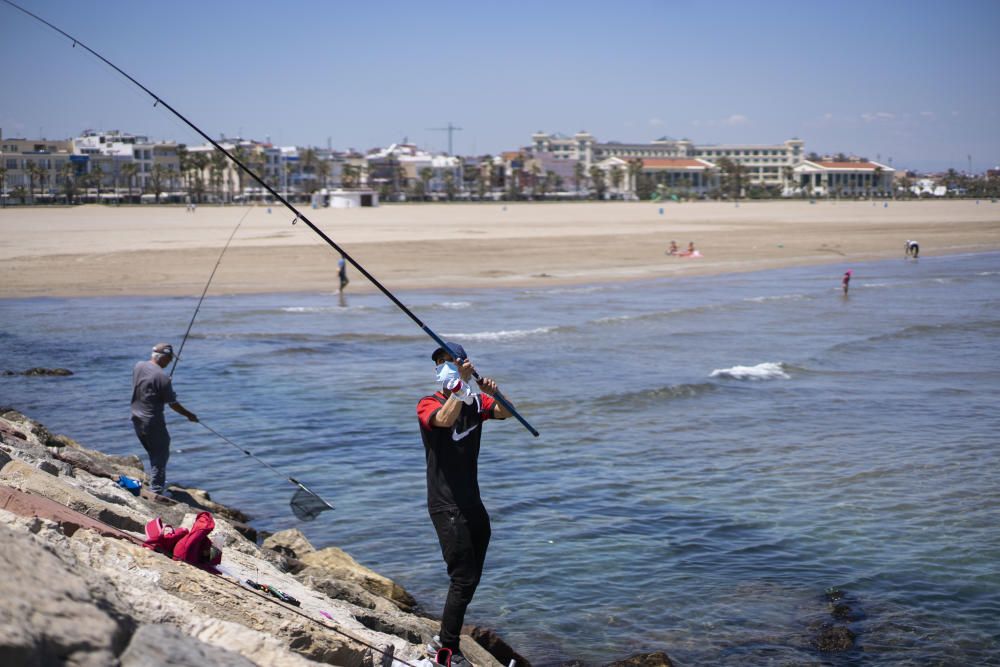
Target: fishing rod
[177,357]
[308,508]
[157,101]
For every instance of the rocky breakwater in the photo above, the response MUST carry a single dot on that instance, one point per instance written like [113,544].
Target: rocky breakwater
[80,589]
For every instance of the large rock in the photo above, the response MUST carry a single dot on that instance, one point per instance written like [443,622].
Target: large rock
[339,564]
[24,477]
[52,614]
[657,659]
[495,645]
[166,646]
[291,543]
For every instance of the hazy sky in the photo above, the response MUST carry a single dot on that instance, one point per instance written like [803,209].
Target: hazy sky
[915,81]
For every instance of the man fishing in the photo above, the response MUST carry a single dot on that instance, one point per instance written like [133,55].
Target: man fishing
[151,390]
[451,428]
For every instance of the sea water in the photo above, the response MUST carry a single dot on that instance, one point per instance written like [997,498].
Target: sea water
[716,453]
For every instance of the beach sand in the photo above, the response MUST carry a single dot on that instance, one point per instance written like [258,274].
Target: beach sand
[159,250]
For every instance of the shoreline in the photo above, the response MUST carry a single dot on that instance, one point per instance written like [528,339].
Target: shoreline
[163,251]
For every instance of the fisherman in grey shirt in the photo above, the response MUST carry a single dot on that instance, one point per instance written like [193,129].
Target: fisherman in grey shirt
[151,390]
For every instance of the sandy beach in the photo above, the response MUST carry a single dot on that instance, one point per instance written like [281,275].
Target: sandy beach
[151,250]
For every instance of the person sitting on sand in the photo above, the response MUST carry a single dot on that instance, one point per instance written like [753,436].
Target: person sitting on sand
[690,252]
[672,250]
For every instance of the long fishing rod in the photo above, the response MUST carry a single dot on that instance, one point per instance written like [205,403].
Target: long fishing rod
[157,100]
[267,465]
[177,357]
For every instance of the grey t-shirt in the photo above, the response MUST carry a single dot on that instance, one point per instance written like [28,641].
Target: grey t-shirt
[151,390]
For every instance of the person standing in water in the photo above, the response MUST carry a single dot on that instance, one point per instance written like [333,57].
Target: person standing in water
[846,282]
[342,272]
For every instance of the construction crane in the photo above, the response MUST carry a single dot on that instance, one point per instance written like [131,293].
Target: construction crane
[451,129]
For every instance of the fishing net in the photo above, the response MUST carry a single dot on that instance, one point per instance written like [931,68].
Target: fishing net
[306,505]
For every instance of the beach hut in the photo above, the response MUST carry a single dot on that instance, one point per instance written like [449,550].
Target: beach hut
[353,198]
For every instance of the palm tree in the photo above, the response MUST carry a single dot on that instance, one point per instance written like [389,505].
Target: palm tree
[616,178]
[597,178]
[129,171]
[217,165]
[348,176]
[449,184]
[634,169]
[69,181]
[308,166]
[426,174]
[34,171]
[323,169]
[3,183]
[579,175]
[156,179]
[96,176]
[536,172]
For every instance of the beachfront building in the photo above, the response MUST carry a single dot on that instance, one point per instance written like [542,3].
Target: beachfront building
[34,169]
[126,163]
[827,178]
[406,170]
[760,164]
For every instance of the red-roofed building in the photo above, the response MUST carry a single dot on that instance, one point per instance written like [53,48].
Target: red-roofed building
[825,178]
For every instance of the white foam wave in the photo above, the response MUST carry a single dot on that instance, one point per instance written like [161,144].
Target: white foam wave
[780,297]
[988,273]
[304,309]
[768,370]
[455,305]
[500,335]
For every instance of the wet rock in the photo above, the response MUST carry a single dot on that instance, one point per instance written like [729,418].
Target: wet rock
[162,645]
[291,543]
[338,563]
[834,638]
[52,372]
[495,645]
[200,499]
[657,659]
[50,615]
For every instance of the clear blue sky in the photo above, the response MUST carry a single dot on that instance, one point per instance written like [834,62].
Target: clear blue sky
[918,81]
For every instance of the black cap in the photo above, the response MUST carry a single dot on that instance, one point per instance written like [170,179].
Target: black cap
[454,349]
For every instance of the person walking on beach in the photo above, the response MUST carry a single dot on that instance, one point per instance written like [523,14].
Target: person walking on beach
[151,390]
[342,272]
[451,429]
[912,249]
[846,282]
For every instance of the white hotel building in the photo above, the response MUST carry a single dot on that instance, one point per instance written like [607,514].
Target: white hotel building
[764,164]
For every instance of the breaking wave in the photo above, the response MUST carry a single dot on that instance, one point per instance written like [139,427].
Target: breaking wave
[501,335]
[768,370]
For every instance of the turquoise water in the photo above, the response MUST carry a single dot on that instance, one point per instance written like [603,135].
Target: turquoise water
[715,454]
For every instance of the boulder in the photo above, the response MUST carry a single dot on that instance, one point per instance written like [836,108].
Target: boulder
[24,477]
[291,543]
[495,645]
[200,499]
[161,645]
[50,614]
[339,564]
[657,659]
[834,638]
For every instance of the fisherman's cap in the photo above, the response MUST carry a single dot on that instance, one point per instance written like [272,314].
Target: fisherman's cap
[163,348]
[454,349]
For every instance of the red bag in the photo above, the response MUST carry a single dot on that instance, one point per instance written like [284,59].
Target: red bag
[161,538]
[195,547]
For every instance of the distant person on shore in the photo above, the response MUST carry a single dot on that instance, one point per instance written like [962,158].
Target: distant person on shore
[690,252]
[151,390]
[451,428]
[912,249]
[673,249]
[342,273]
[846,282]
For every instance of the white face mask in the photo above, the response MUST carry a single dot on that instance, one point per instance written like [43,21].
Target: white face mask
[447,371]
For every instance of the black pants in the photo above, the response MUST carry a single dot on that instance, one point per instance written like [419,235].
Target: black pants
[156,441]
[464,536]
